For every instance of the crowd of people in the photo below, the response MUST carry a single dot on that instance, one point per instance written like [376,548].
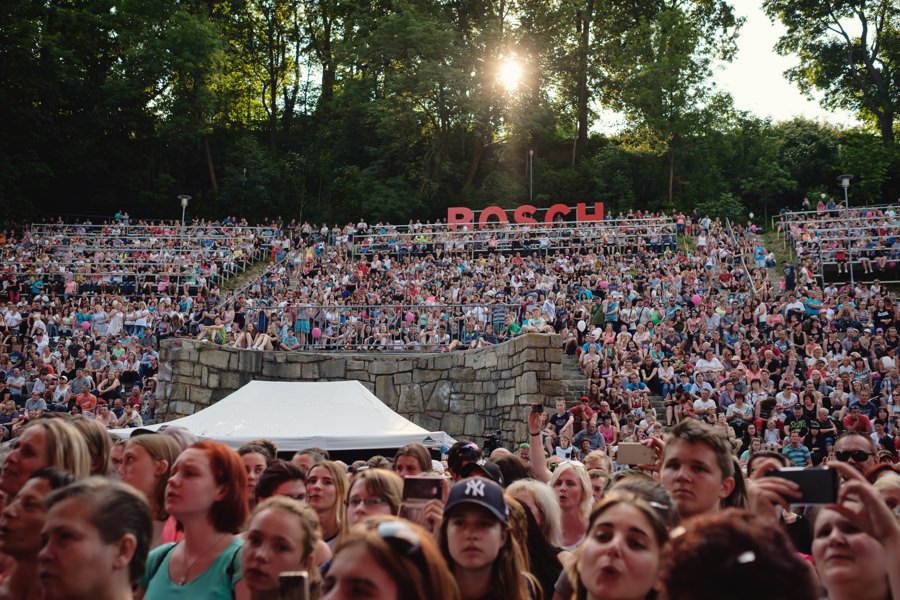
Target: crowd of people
[755,377]
[161,514]
[830,237]
[131,258]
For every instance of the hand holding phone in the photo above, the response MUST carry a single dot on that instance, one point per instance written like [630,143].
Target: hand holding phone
[418,492]
[817,485]
[632,453]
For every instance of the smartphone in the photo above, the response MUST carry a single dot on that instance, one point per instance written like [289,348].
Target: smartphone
[293,585]
[632,453]
[417,493]
[818,486]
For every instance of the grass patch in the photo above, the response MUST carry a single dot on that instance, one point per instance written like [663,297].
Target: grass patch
[775,243]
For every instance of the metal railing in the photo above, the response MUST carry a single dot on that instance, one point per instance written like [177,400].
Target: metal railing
[740,255]
[394,327]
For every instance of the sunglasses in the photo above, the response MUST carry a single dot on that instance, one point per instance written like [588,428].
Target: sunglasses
[856,455]
[404,541]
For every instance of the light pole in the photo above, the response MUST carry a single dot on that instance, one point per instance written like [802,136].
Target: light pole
[184,202]
[531,175]
[844,180]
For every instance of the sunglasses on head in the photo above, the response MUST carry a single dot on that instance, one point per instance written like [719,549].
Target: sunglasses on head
[856,455]
[404,541]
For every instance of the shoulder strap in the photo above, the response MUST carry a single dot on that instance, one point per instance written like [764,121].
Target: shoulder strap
[233,568]
[153,567]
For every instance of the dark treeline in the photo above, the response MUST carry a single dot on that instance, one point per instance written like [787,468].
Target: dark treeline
[393,109]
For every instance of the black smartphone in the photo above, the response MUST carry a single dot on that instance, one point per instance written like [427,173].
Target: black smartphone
[818,486]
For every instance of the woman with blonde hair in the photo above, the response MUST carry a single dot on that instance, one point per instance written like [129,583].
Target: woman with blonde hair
[572,486]
[281,536]
[391,558]
[46,442]
[544,507]
[326,489]
[146,464]
[96,436]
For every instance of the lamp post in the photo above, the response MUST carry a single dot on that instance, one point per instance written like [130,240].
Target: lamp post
[844,180]
[531,175]
[184,202]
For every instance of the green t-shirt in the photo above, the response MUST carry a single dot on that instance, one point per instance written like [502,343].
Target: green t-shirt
[216,582]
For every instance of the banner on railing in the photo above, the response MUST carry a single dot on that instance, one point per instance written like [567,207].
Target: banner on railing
[460,215]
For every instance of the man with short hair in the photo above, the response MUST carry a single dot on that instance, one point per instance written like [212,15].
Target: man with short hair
[697,469]
[563,421]
[866,407]
[86,401]
[591,435]
[857,450]
[704,405]
[798,454]
[855,421]
[797,422]
[16,384]
[81,381]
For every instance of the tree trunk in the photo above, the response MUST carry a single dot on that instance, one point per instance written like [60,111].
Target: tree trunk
[328,68]
[886,127]
[210,167]
[671,174]
[477,150]
[584,41]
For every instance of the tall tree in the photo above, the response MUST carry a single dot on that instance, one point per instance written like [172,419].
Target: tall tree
[658,69]
[848,49]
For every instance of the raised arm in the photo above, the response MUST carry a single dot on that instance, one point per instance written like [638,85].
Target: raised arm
[536,456]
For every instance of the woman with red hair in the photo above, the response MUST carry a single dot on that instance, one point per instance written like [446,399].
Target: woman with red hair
[206,493]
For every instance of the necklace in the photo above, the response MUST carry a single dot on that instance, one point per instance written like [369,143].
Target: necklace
[187,570]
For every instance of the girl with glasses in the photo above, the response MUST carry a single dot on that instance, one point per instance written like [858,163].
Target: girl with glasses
[373,492]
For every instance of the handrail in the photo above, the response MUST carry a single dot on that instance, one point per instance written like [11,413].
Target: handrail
[538,225]
[740,254]
[838,208]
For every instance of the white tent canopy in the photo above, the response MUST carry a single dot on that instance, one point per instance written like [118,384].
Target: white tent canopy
[334,415]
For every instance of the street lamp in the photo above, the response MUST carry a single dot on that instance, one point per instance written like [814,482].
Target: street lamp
[531,175]
[184,202]
[844,180]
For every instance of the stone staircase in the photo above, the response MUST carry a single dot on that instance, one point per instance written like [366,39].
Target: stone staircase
[572,380]
[574,383]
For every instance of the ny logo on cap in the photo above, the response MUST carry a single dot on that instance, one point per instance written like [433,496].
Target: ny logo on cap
[475,487]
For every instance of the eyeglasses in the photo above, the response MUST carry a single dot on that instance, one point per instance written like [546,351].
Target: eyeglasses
[373,501]
[856,455]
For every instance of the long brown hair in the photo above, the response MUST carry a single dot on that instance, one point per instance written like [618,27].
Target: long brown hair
[509,580]
[425,578]
[160,448]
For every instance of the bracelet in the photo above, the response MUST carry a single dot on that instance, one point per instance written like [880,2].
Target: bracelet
[535,432]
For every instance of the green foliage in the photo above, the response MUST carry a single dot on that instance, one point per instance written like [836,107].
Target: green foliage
[727,206]
[849,50]
[330,110]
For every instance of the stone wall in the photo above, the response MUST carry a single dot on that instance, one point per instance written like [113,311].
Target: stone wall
[462,393]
